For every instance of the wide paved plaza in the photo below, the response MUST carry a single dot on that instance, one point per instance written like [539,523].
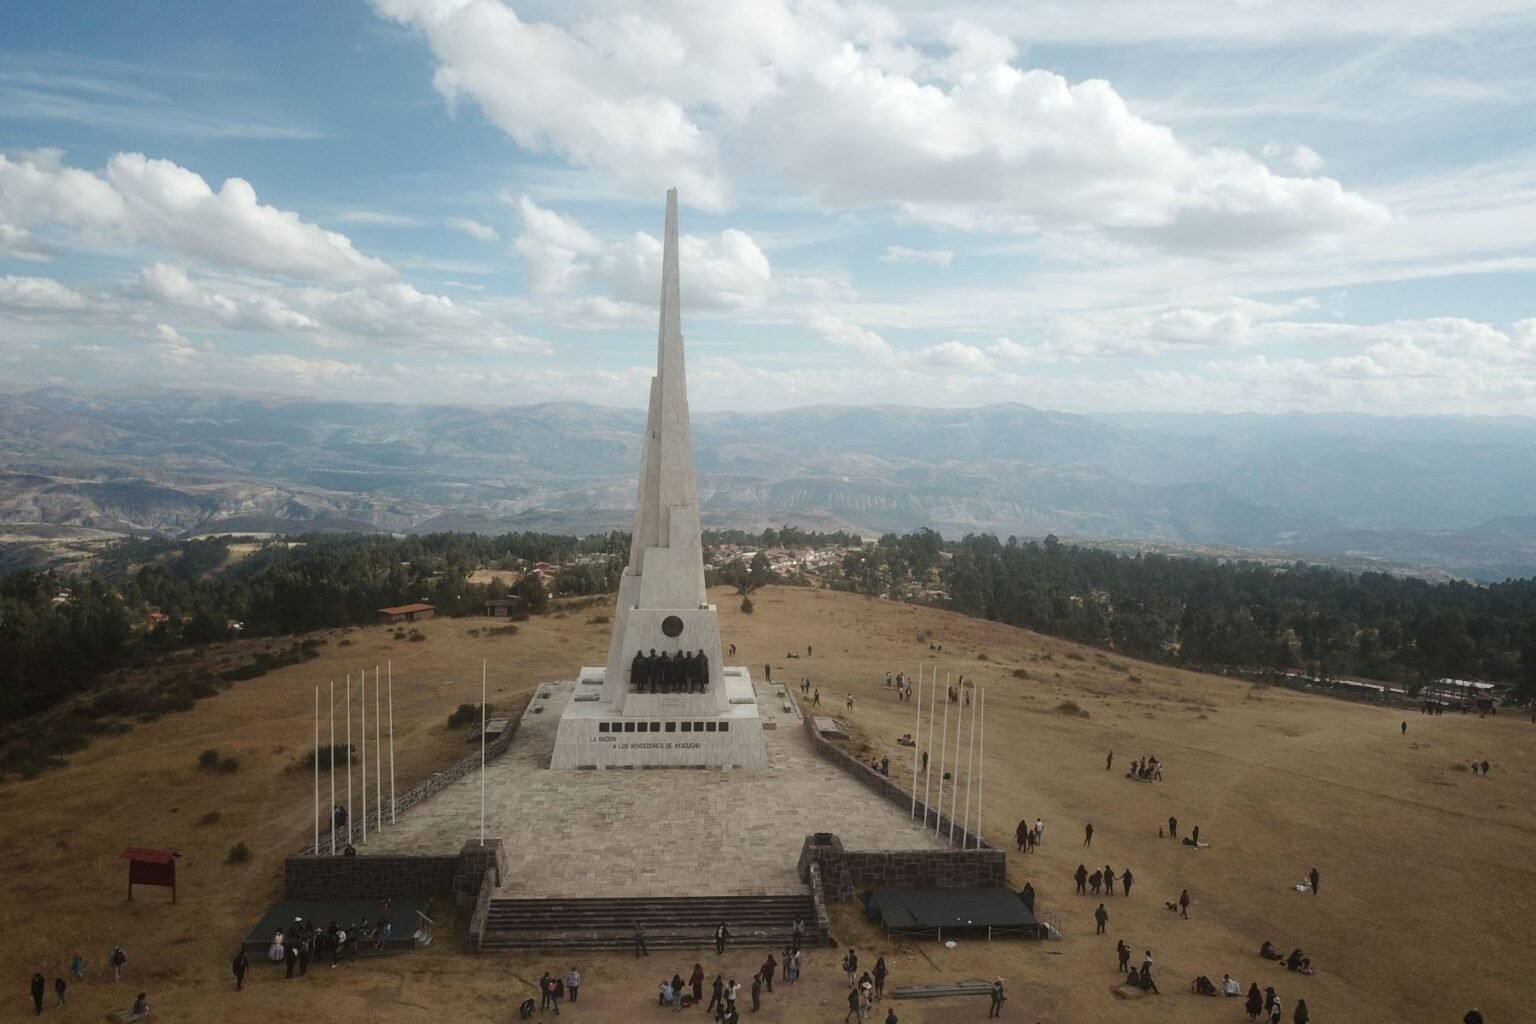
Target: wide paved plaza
[658,832]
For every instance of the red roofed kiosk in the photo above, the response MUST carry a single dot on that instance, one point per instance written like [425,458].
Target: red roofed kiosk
[151,867]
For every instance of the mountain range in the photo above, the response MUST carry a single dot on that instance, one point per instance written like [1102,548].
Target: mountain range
[1433,495]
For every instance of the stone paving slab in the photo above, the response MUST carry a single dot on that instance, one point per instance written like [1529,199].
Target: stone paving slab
[656,832]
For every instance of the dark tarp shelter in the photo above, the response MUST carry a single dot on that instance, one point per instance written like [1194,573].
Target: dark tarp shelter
[951,912]
[405,918]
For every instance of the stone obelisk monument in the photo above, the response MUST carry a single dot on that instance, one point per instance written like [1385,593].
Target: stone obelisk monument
[665,698]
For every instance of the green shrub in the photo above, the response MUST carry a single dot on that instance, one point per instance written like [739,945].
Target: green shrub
[211,818]
[746,606]
[208,760]
[229,765]
[238,854]
[464,714]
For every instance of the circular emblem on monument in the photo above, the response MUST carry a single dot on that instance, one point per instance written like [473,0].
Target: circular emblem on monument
[672,625]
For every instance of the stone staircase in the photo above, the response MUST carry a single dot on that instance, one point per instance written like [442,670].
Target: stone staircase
[683,922]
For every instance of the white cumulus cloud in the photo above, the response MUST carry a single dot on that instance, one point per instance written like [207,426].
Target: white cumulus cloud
[38,293]
[139,199]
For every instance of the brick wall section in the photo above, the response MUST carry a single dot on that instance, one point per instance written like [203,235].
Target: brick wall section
[371,877]
[483,900]
[367,878]
[420,792]
[819,898]
[845,873]
[886,788]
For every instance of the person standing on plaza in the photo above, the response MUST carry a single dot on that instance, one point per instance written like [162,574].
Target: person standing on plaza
[1313,877]
[1088,834]
[757,992]
[1126,879]
[770,967]
[722,935]
[1101,917]
[573,982]
[640,949]
[696,982]
[881,971]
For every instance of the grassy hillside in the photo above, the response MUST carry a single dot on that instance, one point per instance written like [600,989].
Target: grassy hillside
[1414,853]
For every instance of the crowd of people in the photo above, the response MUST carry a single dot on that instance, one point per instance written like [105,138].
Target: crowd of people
[117,959]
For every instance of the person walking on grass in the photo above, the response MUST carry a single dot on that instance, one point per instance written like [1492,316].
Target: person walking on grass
[1126,878]
[240,965]
[77,967]
[880,974]
[1184,904]
[1081,877]
[59,990]
[998,999]
[1109,880]
[119,960]
[1088,834]
[39,986]
[853,1005]
[1312,876]
[716,996]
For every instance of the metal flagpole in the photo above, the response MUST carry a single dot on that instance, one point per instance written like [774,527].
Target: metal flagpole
[378,758]
[943,749]
[317,771]
[349,760]
[333,767]
[362,709]
[981,780]
[970,761]
[389,678]
[482,753]
[928,757]
[954,791]
[915,737]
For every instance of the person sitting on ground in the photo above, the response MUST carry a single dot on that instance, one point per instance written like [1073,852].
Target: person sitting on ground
[1202,986]
[1230,986]
[1305,967]
[140,1006]
[1293,962]
[666,996]
[1268,951]
[526,1010]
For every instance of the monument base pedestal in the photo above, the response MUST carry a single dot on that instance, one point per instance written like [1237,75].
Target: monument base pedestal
[670,733]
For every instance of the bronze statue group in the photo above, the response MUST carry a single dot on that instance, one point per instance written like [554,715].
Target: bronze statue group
[684,672]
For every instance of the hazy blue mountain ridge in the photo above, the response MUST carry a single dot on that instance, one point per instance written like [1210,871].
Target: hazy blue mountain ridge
[1454,493]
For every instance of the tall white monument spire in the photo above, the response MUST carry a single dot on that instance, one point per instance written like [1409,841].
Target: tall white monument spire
[664,677]
[667,494]
[663,586]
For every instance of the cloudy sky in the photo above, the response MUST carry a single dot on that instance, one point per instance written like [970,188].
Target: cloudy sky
[1095,205]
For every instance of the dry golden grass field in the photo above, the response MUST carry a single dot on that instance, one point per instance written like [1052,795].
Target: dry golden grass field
[1427,873]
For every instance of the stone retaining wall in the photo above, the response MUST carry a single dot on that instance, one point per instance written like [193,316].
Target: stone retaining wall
[844,873]
[368,877]
[889,790]
[416,794]
[372,877]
